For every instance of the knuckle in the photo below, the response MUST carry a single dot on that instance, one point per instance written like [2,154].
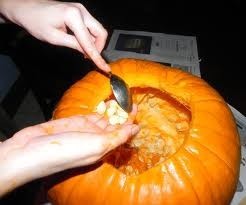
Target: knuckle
[79,5]
[92,52]
[103,32]
[72,12]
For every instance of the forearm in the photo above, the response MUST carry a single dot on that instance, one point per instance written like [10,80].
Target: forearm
[23,160]
[14,171]
[9,180]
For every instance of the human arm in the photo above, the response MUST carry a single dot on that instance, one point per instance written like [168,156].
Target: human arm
[51,147]
[51,21]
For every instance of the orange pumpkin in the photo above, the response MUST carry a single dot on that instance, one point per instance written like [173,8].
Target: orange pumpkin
[187,151]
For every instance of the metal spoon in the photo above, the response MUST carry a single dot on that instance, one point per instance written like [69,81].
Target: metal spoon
[121,92]
[120,89]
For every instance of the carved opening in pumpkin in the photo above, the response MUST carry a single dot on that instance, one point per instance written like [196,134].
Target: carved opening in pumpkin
[164,124]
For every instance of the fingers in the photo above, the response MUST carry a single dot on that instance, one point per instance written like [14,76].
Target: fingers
[99,33]
[75,23]
[121,135]
[93,123]
[59,37]
[98,120]
[133,113]
[76,123]
[89,123]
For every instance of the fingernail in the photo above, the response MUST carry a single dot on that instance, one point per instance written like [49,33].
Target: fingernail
[135,129]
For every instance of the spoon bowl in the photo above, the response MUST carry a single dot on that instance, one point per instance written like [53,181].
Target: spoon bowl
[121,92]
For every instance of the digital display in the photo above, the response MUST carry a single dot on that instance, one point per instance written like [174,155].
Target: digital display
[134,43]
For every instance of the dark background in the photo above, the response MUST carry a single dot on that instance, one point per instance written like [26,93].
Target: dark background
[50,70]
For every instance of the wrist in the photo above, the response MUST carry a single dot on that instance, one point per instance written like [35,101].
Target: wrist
[5,5]
[13,10]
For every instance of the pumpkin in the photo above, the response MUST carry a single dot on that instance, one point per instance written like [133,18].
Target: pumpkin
[187,151]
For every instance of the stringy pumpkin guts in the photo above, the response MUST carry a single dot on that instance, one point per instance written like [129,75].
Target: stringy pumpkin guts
[164,123]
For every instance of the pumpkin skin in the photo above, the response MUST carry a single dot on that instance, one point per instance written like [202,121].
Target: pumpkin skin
[203,170]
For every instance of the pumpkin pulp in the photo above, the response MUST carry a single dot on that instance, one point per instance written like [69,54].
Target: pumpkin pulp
[164,124]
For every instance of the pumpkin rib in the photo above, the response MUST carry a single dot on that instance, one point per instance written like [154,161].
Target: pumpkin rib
[85,86]
[219,183]
[123,188]
[209,113]
[154,198]
[216,155]
[188,178]
[182,79]
[171,173]
[187,81]
[175,174]
[110,180]
[202,94]
[84,83]
[218,124]
[120,69]
[78,90]
[144,68]
[76,104]
[190,153]
[117,188]
[70,98]
[209,100]
[216,132]
[72,190]
[228,142]
[203,125]
[131,193]
[220,102]
[76,192]
[189,172]
[202,85]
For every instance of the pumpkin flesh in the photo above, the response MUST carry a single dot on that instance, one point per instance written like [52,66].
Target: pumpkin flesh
[164,124]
